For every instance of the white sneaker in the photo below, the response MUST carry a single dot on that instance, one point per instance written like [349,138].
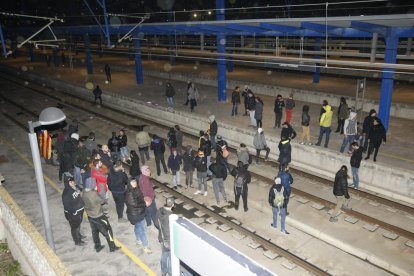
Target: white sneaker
[138,242]
[310,144]
[147,250]
[197,192]
[205,193]
[302,143]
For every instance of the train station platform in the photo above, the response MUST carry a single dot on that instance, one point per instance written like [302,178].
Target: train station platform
[392,175]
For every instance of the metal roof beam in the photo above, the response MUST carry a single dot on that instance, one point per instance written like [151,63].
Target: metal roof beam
[246,28]
[322,28]
[369,27]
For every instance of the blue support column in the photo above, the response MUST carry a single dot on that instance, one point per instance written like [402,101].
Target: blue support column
[230,59]
[387,84]
[221,59]
[3,42]
[88,57]
[138,63]
[317,73]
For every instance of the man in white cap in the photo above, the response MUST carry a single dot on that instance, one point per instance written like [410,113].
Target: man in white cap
[259,142]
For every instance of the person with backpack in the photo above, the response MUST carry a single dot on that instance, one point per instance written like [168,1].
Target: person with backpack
[242,177]
[219,171]
[278,200]
[200,163]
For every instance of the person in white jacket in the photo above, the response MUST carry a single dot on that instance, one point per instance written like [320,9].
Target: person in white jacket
[350,131]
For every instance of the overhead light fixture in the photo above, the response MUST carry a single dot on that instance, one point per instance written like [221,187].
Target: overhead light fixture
[195,15]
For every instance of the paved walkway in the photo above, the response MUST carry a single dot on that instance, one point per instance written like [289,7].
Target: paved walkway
[397,152]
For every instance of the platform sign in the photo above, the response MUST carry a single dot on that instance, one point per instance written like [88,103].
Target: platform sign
[359,98]
[205,253]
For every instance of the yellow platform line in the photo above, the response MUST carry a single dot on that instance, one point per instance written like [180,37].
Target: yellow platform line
[125,249]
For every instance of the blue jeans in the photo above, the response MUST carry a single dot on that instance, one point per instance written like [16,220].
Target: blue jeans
[170,102]
[282,218]
[323,130]
[176,178]
[165,260]
[78,177]
[213,142]
[150,213]
[124,152]
[234,109]
[140,229]
[355,177]
[347,139]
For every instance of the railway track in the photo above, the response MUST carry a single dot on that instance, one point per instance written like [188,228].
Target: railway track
[265,243]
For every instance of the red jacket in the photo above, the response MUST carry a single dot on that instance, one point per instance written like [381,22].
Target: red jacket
[100,177]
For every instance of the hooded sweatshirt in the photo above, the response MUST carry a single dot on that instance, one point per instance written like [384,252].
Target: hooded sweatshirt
[117,181]
[350,126]
[71,198]
[326,117]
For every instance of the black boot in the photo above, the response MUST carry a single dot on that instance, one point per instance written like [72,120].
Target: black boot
[99,247]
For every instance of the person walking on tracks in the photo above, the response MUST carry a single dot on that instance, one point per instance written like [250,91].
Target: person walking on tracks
[157,145]
[340,191]
[97,92]
[241,180]
[278,200]
[108,73]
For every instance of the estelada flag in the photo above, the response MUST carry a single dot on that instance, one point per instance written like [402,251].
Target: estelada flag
[45,144]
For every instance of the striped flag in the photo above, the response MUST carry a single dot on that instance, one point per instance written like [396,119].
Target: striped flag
[45,144]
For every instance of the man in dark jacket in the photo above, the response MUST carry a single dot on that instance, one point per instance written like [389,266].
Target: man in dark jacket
[69,149]
[157,145]
[179,138]
[286,181]
[212,130]
[117,181]
[219,171]
[114,144]
[97,92]
[81,163]
[241,179]
[205,147]
[356,158]
[251,107]
[174,164]
[377,135]
[278,110]
[90,143]
[287,131]
[277,191]
[188,165]
[366,127]
[235,100]
[98,221]
[169,93]
[285,152]
[106,156]
[73,207]
[163,226]
[245,94]
[340,191]
[136,209]
[342,115]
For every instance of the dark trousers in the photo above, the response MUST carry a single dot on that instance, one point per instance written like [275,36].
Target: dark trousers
[75,223]
[340,127]
[322,131]
[151,213]
[108,77]
[373,148]
[119,199]
[259,123]
[101,225]
[143,152]
[237,193]
[267,149]
[98,97]
[193,103]
[278,119]
[159,158]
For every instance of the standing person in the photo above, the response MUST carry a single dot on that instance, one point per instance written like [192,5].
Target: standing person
[243,155]
[290,105]
[171,138]
[219,171]
[187,90]
[179,138]
[193,96]
[258,112]
[340,191]
[69,150]
[144,141]
[251,107]
[325,125]
[60,150]
[278,109]
[324,103]
[117,182]
[101,180]
[90,143]
[73,127]
[81,162]
[212,130]
[287,131]
[286,181]
[235,100]
[342,115]
[376,136]
[108,73]
[366,127]
[188,165]
[205,146]
[106,157]
[134,169]
[174,164]
[305,126]
[245,96]
[158,147]
[98,221]
[200,163]
[241,180]
[114,144]
[163,226]
[149,195]
[169,93]
[259,142]
[356,158]
[73,207]
[123,145]
[285,152]
[136,208]
[278,200]
[350,131]
[97,92]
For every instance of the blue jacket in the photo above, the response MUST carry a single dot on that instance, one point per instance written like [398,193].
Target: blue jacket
[287,180]
[174,162]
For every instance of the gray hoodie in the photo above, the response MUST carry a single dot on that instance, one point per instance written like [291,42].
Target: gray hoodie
[259,141]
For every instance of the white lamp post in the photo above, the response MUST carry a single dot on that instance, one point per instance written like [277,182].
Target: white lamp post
[48,116]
